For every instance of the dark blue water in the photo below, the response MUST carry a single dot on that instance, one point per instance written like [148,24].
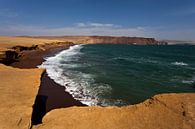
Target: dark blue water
[124,74]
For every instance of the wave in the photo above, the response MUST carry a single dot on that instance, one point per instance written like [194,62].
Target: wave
[188,81]
[80,85]
[136,60]
[179,63]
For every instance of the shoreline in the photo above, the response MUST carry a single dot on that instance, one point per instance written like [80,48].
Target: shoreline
[48,86]
[56,95]
[19,88]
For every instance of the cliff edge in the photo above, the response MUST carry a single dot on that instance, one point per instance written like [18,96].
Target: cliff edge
[165,111]
[104,40]
[18,89]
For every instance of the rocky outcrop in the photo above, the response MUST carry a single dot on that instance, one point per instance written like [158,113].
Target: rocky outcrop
[166,111]
[11,48]
[22,48]
[18,89]
[11,55]
[8,56]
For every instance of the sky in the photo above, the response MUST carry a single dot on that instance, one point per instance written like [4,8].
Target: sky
[161,19]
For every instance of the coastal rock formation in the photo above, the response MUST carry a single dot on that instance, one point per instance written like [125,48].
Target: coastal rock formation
[10,42]
[104,39]
[166,111]
[8,56]
[18,89]
[11,47]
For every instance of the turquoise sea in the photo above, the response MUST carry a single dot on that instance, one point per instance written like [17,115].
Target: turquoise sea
[105,74]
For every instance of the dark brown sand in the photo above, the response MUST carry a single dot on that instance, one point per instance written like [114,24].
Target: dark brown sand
[33,58]
[56,95]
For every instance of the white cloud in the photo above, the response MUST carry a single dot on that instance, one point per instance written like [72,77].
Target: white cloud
[94,24]
[101,25]
[78,29]
[80,24]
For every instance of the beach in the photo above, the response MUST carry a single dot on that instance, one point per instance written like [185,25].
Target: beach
[56,95]
[166,110]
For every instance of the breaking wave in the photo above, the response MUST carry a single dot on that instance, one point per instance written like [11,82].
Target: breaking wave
[117,75]
[179,63]
[80,85]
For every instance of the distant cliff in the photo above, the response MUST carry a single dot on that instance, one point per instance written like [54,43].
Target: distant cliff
[104,39]
[121,40]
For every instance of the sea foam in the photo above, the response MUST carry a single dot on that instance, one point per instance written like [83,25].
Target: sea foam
[80,85]
[179,63]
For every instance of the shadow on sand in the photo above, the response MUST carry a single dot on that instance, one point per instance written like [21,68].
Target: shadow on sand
[50,96]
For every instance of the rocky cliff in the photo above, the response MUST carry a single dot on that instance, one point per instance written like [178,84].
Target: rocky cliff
[104,39]
[122,40]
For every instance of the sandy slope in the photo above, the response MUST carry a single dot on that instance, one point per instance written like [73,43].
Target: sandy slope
[18,89]
[11,47]
[8,42]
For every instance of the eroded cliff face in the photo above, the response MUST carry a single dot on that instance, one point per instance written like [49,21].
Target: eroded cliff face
[8,56]
[104,39]
[122,40]
[12,54]
[11,48]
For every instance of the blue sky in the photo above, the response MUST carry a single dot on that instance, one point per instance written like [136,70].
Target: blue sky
[162,19]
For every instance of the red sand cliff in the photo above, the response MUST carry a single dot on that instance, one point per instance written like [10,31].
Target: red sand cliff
[104,39]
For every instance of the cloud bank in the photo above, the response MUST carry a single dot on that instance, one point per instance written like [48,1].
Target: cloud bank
[98,29]
[76,29]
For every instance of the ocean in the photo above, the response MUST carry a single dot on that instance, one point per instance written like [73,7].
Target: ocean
[107,75]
